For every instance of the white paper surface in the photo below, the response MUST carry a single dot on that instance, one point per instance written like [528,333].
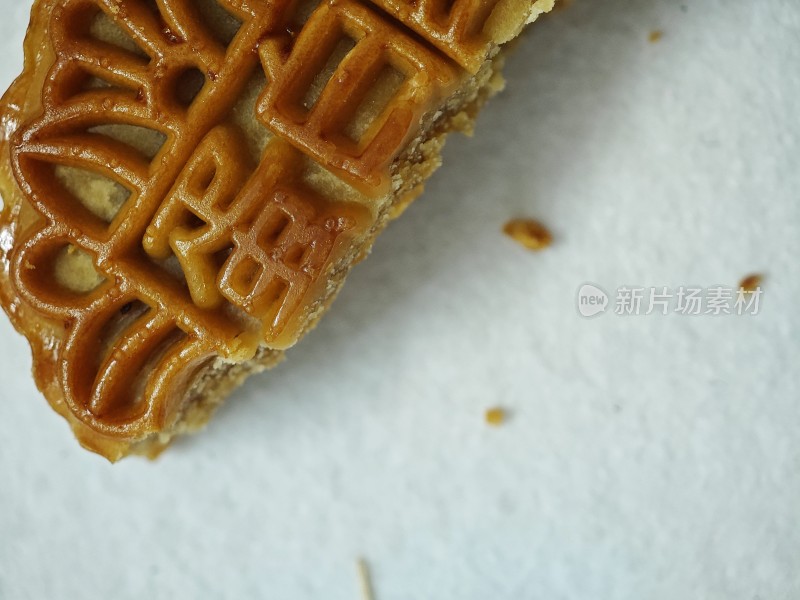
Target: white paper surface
[651,457]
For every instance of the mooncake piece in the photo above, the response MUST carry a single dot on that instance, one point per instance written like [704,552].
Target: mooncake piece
[186,183]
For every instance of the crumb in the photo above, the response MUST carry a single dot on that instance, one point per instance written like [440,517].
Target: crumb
[365,580]
[496,416]
[655,36]
[751,283]
[531,234]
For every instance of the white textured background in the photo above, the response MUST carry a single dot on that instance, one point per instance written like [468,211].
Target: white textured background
[647,457]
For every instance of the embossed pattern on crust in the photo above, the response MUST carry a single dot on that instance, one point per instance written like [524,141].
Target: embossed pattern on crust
[203,248]
[456,27]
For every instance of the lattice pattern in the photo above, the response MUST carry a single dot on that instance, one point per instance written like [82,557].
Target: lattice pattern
[456,27]
[320,129]
[208,250]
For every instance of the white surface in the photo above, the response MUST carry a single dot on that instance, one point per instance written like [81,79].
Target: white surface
[647,457]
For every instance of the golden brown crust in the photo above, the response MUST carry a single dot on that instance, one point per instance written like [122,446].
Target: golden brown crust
[162,239]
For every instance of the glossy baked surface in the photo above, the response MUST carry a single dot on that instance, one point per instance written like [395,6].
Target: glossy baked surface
[182,179]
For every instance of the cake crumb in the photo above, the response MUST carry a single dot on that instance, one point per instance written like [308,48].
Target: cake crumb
[365,580]
[751,283]
[496,416]
[655,36]
[529,233]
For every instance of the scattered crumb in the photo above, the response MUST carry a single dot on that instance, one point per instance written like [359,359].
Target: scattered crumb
[529,233]
[365,580]
[655,36]
[496,416]
[751,282]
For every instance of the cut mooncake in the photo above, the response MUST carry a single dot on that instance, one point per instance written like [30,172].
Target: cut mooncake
[186,183]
